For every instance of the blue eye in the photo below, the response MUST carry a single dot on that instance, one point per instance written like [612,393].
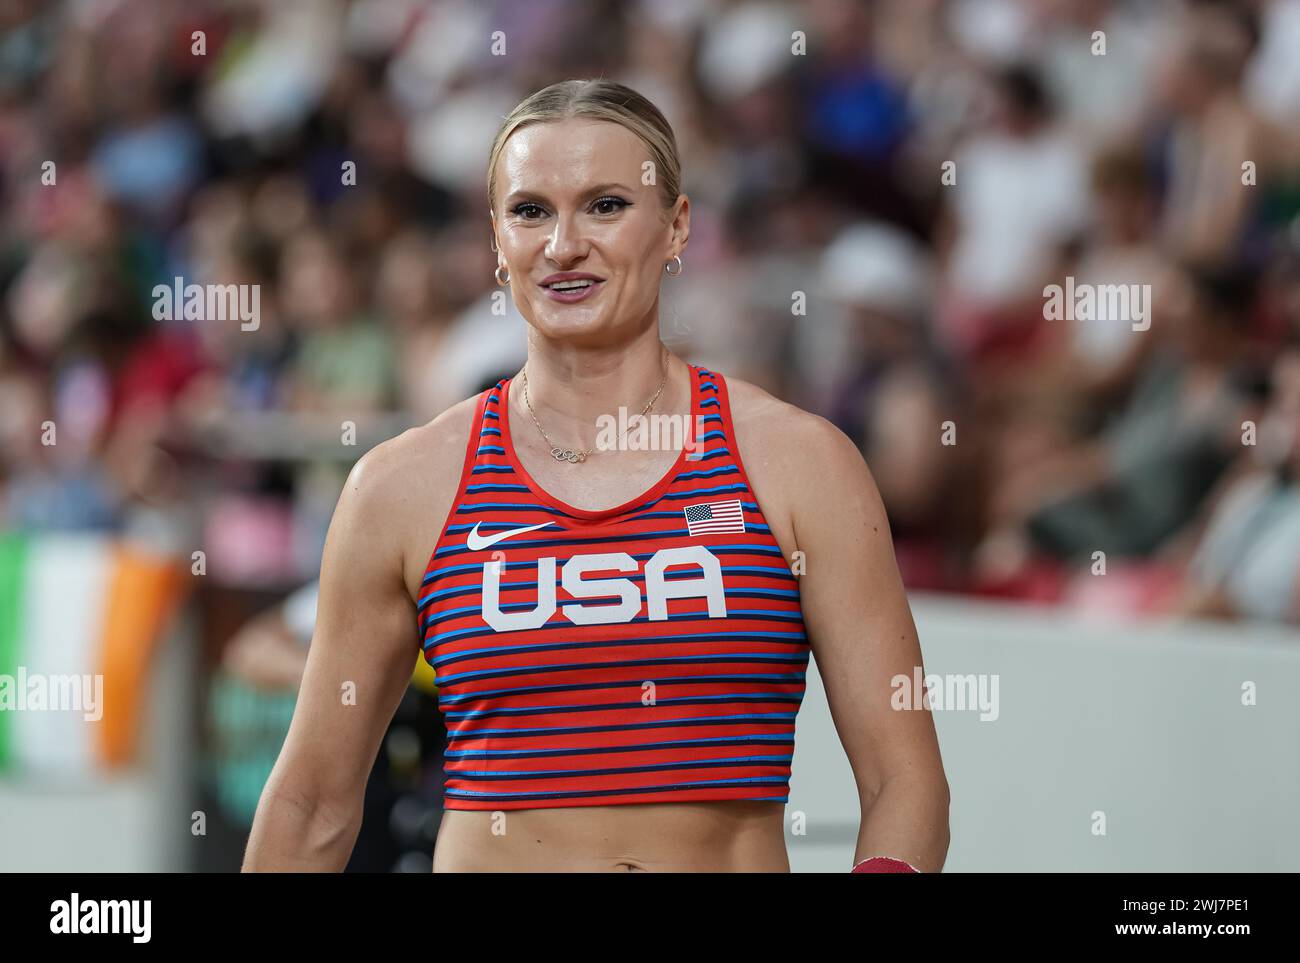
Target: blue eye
[599,206]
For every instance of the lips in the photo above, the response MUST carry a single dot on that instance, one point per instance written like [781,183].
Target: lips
[571,286]
[569,281]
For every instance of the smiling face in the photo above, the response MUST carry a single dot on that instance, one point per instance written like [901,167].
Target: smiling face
[571,203]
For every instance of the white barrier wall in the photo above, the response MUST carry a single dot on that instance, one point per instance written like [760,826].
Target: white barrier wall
[1143,722]
[137,820]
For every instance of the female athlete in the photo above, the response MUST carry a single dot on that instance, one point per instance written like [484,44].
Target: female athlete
[616,562]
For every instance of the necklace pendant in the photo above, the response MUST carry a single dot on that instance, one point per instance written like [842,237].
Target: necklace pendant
[568,454]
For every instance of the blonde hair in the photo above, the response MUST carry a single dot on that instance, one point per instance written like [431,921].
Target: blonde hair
[600,100]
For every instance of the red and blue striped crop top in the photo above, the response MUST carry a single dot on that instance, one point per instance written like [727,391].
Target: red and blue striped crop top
[650,652]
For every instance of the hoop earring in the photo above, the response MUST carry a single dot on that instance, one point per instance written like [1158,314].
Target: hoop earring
[677,273]
[497,274]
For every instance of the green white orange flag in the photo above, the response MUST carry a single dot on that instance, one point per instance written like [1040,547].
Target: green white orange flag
[80,618]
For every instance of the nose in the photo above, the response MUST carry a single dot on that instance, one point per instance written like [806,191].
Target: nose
[566,243]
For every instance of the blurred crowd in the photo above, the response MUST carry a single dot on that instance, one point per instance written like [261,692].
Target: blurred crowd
[920,170]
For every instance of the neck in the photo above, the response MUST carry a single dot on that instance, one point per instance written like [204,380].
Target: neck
[570,388]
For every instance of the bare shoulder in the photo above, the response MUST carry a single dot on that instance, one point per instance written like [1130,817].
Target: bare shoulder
[798,463]
[419,456]
[801,444]
[401,490]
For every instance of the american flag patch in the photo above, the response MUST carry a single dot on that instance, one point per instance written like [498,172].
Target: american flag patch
[712,518]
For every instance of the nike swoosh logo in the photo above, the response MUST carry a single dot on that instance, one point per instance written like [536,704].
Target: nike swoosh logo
[476,542]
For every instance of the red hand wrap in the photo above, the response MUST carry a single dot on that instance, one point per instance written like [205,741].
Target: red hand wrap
[884,864]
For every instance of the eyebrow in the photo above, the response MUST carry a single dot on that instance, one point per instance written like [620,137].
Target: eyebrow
[597,189]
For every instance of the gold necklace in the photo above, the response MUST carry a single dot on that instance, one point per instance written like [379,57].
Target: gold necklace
[569,454]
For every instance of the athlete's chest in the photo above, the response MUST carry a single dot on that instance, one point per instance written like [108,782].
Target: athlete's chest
[531,556]
[604,479]
[685,558]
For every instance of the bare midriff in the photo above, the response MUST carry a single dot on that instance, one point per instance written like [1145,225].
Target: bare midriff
[731,836]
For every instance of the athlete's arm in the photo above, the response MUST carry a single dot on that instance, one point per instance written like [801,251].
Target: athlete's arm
[360,660]
[861,631]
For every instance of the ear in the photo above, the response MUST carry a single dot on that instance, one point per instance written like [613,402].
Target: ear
[681,223]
